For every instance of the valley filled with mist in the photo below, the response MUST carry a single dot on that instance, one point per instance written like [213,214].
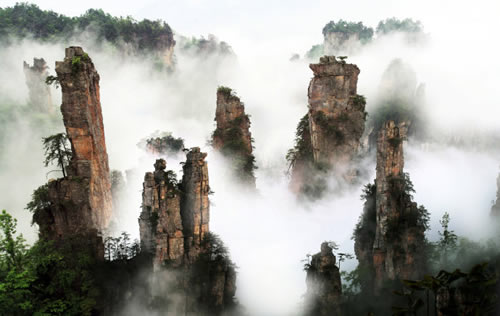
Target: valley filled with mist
[304,160]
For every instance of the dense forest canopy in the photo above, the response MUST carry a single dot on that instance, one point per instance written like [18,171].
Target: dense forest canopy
[28,20]
[364,33]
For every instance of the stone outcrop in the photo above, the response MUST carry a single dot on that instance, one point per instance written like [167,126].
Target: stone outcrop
[174,231]
[232,136]
[195,204]
[160,222]
[324,287]
[336,112]
[39,92]
[336,120]
[398,240]
[81,202]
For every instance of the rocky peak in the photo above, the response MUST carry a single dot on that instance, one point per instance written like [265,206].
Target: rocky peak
[324,288]
[232,136]
[390,238]
[195,204]
[336,122]
[81,202]
[160,222]
[39,91]
[175,234]
[336,112]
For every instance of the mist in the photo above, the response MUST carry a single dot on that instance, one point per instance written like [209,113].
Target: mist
[269,233]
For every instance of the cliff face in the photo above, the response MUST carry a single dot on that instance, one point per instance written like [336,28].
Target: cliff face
[195,210]
[336,122]
[390,236]
[80,202]
[336,113]
[398,240]
[174,230]
[324,287]
[232,136]
[161,229]
[39,92]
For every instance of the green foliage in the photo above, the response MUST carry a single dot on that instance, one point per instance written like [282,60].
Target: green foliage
[448,240]
[359,100]
[225,90]
[315,52]
[76,63]
[39,201]
[364,33]
[58,150]
[12,247]
[331,125]
[472,293]
[396,25]
[120,248]
[235,147]
[302,150]
[44,280]
[52,80]
[26,20]
[165,144]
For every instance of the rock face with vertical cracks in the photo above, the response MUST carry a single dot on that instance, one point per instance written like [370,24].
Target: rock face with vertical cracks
[39,91]
[195,209]
[398,225]
[331,141]
[160,221]
[174,231]
[81,202]
[324,288]
[336,112]
[232,136]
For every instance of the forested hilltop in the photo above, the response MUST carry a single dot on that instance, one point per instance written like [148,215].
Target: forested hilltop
[28,20]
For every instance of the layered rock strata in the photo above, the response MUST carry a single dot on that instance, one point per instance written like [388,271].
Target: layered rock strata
[336,121]
[80,202]
[232,135]
[399,224]
[174,230]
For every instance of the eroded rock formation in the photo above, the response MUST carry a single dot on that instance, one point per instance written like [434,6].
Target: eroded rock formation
[336,112]
[324,287]
[39,91]
[232,136]
[336,122]
[174,229]
[396,225]
[81,202]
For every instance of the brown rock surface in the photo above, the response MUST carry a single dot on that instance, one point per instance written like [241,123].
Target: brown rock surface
[81,203]
[195,210]
[398,240]
[174,231]
[39,91]
[160,221]
[324,288]
[232,136]
[336,115]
